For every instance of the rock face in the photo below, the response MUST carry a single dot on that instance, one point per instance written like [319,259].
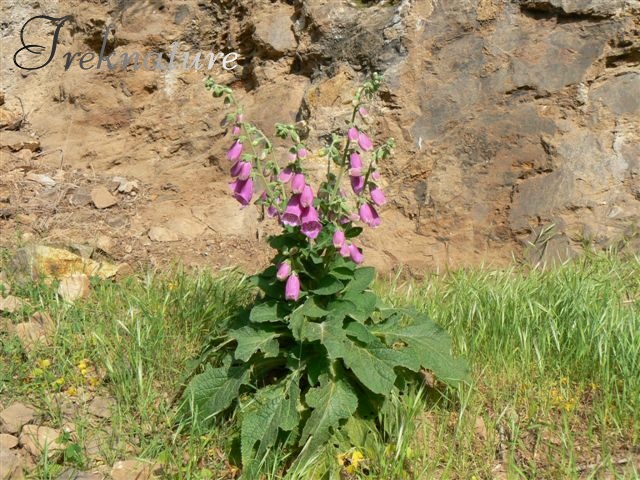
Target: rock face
[517,122]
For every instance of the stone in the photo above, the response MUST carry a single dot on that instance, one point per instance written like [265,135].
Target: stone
[31,262]
[36,439]
[162,234]
[124,271]
[614,94]
[80,198]
[14,417]
[102,198]
[16,141]
[134,470]
[101,407]
[30,334]
[581,7]
[106,244]
[45,321]
[274,31]
[85,251]
[11,465]
[44,180]
[75,287]
[10,119]
[187,228]
[8,441]
[72,474]
[10,304]
[126,186]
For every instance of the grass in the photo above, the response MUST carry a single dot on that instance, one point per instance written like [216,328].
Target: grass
[555,357]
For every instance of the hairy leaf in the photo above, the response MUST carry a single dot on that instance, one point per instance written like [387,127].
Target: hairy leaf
[269,311]
[214,390]
[253,338]
[362,278]
[273,408]
[332,401]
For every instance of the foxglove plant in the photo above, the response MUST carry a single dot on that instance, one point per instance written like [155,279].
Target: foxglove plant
[317,346]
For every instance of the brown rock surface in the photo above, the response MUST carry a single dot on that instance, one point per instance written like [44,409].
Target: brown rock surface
[511,119]
[38,439]
[15,416]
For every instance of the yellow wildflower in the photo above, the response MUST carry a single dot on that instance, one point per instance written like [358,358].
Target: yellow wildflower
[44,363]
[84,371]
[37,372]
[71,391]
[59,381]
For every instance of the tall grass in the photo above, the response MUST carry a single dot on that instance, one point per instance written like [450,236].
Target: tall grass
[555,357]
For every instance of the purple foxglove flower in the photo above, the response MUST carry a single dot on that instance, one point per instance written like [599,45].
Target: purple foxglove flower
[311,225]
[292,288]
[355,172]
[377,195]
[240,118]
[242,190]
[345,250]
[272,211]
[284,270]
[364,142]
[245,170]
[355,161]
[363,112]
[302,153]
[285,175]
[235,151]
[369,215]
[357,183]
[375,175]
[344,220]
[338,239]
[292,156]
[306,197]
[356,254]
[297,183]
[292,212]
[352,134]
[236,130]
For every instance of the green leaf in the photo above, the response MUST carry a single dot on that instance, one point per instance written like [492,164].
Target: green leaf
[253,338]
[364,304]
[213,391]
[426,341]
[273,408]
[342,273]
[269,311]
[328,285]
[362,279]
[332,401]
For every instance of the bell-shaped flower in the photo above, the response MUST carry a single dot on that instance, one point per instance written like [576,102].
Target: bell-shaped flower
[357,183]
[310,220]
[285,175]
[235,151]
[352,134]
[283,272]
[355,254]
[272,211]
[242,190]
[297,183]
[236,130]
[302,153]
[369,215]
[338,239]
[345,250]
[377,195]
[363,112]
[355,161]
[375,175]
[242,170]
[365,142]
[292,287]
[306,197]
[292,212]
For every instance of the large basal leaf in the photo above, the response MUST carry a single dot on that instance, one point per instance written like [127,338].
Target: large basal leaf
[273,408]
[269,311]
[328,285]
[332,401]
[425,340]
[213,391]
[362,278]
[255,338]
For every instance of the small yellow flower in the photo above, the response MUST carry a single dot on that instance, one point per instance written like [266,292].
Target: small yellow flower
[71,391]
[564,380]
[44,364]
[93,381]
[59,381]
[594,387]
[82,365]
[84,371]
[37,372]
